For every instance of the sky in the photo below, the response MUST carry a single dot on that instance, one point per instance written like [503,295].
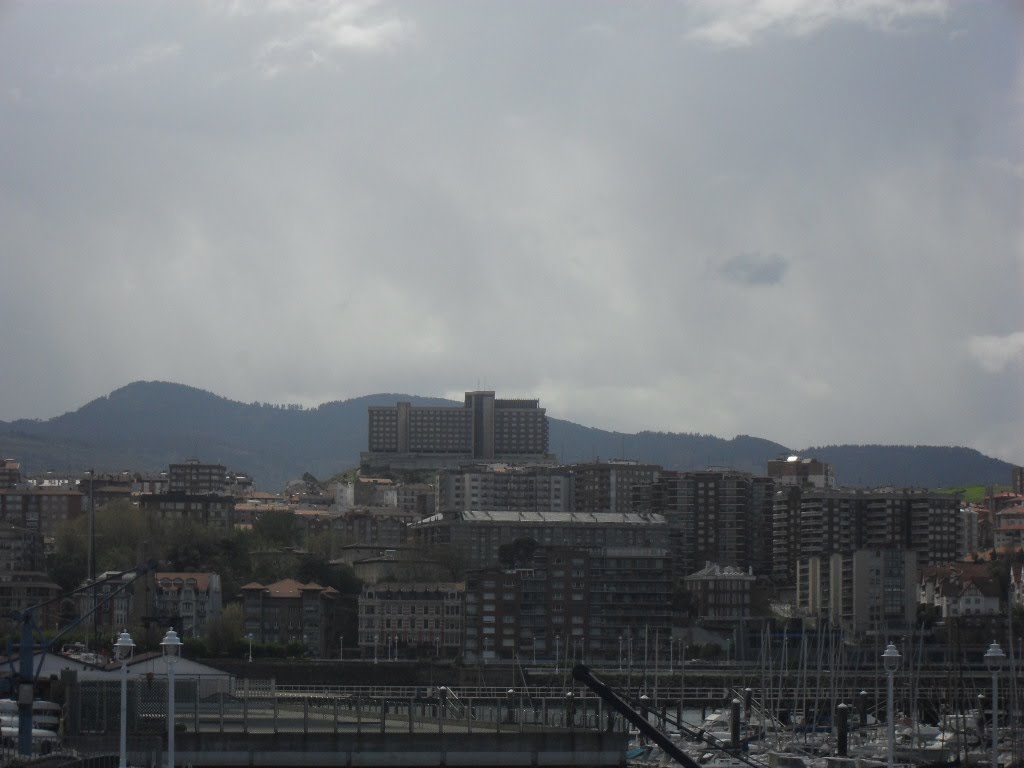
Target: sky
[796,219]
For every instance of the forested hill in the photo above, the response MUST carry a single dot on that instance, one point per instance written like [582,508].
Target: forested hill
[148,425]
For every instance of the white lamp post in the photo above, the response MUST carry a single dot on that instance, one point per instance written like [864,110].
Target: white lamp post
[891,661]
[994,658]
[123,650]
[171,647]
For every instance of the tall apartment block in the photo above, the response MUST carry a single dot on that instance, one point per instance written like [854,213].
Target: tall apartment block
[716,515]
[609,486]
[485,429]
[505,487]
[867,591]
[1017,481]
[812,522]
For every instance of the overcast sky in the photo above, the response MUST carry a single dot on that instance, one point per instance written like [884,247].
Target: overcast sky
[796,219]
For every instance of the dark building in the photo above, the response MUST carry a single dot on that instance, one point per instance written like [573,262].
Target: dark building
[40,509]
[211,510]
[197,479]
[10,473]
[609,486]
[1017,481]
[813,522]
[715,515]
[485,428]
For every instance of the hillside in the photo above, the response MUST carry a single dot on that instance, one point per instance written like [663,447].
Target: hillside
[148,425]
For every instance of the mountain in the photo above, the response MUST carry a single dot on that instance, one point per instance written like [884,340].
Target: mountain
[148,425]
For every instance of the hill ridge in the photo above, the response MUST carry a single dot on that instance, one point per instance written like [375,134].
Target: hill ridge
[147,425]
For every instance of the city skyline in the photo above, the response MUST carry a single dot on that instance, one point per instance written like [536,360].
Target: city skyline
[800,221]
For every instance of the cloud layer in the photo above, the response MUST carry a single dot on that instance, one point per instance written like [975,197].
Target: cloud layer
[796,220]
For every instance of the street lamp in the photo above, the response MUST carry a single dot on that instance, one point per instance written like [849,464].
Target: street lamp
[376,642]
[558,650]
[171,648]
[249,638]
[994,658]
[620,653]
[123,651]
[341,648]
[890,662]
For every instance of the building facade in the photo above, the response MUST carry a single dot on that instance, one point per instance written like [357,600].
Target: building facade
[289,611]
[188,601]
[40,509]
[720,594]
[485,428]
[197,479]
[505,487]
[410,619]
[797,470]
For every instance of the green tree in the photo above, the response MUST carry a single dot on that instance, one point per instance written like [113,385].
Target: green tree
[277,529]
[226,631]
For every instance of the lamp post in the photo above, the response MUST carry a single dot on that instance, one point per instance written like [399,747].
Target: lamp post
[341,648]
[558,650]
[92,561]
[249,638]
[171,647]
[123,650]
[376,642]
[994,658]
[620,653]
[891,661]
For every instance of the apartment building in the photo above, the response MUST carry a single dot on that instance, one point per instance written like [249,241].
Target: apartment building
[568,603]
[374,526]
[609,486]
[505,487]
[210,510]
[411,619]
[961,589]
[10,473]
[801,471]
[197,479]
[40,509]
[476,536]
[715,515]
[485,428]
[289,611]
[812,522]
[21,549]
[187,601]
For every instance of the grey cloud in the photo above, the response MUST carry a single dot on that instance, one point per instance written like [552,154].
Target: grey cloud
[753,269]
[493,198]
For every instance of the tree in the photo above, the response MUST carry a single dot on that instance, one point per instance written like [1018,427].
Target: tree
[226,631]
[277,529]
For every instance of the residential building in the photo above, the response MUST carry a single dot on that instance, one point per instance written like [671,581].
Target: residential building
[120,601]
[802,471]
[10,473]
[211,510]
[609,486]
[20,590]
[21,549]
[40,509]
[411,619]
[485,428]
[716,515]
[197,479]
[1017,481]
[374,526]
[505,487]
[569,604]
[188,601]
[961,589]
[873,591]
[813,522]
[970,532]
[720,594]
[289,611]
[476,536]
[1009,527]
